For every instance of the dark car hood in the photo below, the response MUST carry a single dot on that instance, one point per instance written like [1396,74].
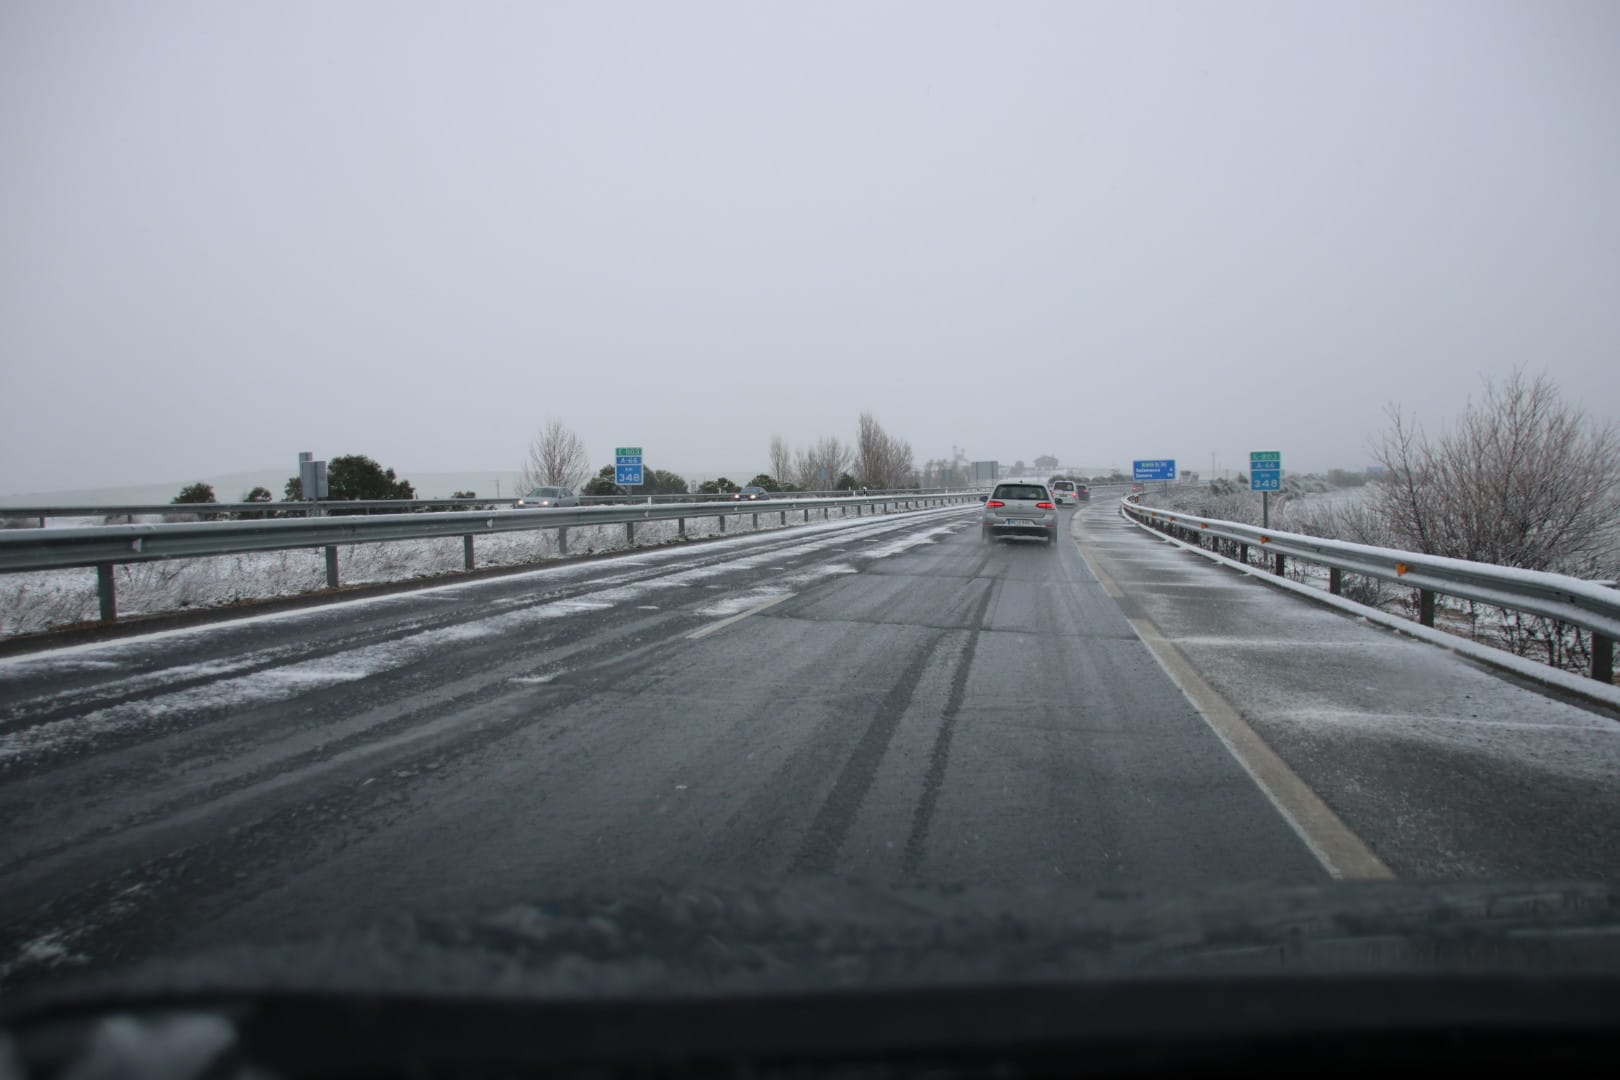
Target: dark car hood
[821,975]
[819,934]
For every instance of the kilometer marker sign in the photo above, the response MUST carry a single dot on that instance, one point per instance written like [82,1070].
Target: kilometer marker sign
[627,466]
[1265,470]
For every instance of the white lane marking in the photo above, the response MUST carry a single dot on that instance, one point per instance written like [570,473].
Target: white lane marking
[534,680]
[1340,851]
[741,615]
[648,607]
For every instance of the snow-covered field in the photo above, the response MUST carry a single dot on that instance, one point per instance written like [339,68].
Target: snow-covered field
[33,602]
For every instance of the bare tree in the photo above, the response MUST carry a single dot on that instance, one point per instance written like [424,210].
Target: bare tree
[782,461]
[881,460]
[1521,480]
[819,466]
[557,458]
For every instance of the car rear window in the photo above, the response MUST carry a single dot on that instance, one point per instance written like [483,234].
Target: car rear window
[1063,485]
[1020,491]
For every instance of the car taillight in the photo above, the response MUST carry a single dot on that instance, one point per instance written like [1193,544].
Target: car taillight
[1045,506]
[995,502]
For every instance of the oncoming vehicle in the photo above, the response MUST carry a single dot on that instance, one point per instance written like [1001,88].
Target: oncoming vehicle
[1064,493]
[750,494]
[545,497]
[1020,510]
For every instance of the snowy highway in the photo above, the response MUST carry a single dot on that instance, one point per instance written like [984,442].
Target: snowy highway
[888,700]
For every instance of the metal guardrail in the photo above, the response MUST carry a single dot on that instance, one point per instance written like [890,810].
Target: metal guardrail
[106,546]
[302,508]
[1590,605]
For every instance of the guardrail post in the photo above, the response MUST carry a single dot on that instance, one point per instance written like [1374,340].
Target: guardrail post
[722,520]
[807,515]
[1277,566]
[467,552]
[331,566]
[562,539]
[1243,554]
[1426,607]
[680,527]
[1602,658]
[106,592]
[1335,580]
[784,517]
[630,534]
[756,522]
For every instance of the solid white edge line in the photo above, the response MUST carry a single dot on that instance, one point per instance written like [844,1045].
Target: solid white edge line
[1342,853]
[739,617]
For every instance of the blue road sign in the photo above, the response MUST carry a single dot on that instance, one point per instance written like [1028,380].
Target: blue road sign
[1265,481]
[627,466]
[1154,469]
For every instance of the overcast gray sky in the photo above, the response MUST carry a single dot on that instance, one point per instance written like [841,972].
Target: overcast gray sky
[233,231]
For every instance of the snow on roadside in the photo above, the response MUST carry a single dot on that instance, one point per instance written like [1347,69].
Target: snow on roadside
[33,602]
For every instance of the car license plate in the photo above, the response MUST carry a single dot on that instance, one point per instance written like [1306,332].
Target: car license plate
[1016,521]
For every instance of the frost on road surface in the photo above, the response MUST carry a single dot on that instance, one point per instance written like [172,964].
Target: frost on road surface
[249,678]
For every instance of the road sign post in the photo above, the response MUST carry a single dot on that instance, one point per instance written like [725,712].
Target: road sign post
[627,467]
[1265,476]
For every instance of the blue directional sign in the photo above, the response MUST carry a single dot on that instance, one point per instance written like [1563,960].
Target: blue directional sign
[1265,470]
[627,467]
[1154,469]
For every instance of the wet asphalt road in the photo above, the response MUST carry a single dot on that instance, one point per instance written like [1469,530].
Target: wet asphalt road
[912,705]
[890,701]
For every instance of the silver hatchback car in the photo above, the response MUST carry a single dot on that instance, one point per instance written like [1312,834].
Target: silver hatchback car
[1020,510]
[543,497]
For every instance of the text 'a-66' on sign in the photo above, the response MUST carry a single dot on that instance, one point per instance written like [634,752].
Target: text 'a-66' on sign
[1154,469]
[1265,470]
